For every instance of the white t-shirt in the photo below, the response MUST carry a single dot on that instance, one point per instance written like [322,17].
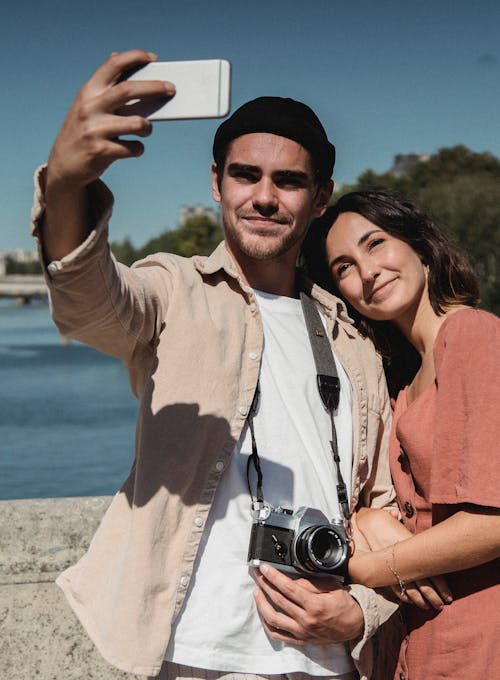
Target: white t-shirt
[219,627]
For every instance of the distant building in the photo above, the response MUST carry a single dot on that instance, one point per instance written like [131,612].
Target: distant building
[403,162]
[187,211]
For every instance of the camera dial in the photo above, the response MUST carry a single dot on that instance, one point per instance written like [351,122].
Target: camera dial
[279,548]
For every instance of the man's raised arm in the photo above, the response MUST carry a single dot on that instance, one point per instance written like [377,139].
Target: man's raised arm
[88,142]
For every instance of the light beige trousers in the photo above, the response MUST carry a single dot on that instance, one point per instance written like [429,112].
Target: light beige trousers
[174,671]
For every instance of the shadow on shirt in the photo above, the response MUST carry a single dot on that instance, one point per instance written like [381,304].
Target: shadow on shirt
[178,449]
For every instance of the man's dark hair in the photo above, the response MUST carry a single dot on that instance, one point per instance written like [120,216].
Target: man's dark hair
[279,116]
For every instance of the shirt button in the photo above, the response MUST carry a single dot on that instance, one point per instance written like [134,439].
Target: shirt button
[243,410]
[198,521]
[409,509]
[219,466]
[253,355]
[184,581]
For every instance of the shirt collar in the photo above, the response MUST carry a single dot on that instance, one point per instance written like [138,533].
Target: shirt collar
[333,306]
[220,259]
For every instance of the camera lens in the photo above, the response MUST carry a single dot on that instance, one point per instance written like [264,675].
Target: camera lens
[320,548]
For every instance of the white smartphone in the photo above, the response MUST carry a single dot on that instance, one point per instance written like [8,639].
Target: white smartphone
[203,89]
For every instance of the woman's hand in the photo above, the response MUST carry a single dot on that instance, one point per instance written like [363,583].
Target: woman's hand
[376,530]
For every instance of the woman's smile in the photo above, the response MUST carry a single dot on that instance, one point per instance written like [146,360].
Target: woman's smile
[380,275]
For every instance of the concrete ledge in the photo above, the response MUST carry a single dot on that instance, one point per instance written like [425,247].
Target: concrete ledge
[40,638]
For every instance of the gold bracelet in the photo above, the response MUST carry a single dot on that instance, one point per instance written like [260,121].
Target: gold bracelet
[394,571]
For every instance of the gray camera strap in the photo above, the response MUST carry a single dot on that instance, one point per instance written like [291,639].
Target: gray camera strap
[328,385]
[329,390]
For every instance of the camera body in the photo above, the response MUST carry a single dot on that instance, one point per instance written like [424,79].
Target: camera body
[304,542]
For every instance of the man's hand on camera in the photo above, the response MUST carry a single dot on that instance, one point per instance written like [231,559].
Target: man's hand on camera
[89,140]
[303,611]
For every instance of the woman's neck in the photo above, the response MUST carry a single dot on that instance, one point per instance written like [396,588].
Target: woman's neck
[420,326]
[421,331]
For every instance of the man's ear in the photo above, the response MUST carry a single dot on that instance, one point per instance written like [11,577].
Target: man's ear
[323,196]
[215,184]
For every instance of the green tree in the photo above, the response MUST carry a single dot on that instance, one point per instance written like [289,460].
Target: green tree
[124,251]
[12,266]
[198,235]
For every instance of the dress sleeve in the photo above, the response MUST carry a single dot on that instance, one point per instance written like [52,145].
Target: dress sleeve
[465,466]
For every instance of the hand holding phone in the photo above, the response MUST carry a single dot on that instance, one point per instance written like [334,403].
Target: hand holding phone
[202,90]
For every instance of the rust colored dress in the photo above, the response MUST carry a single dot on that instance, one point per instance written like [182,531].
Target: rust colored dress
[445,453]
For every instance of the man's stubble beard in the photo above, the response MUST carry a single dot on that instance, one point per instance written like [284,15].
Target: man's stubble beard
[266,246]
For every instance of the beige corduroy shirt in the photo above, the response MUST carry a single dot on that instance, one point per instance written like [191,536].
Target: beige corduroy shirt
[190,333]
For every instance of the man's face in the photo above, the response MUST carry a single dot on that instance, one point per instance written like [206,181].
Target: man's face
[268,197]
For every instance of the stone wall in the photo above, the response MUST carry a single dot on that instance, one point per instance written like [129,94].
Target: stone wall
[40,638]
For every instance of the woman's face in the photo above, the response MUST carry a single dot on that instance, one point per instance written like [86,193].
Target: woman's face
[381,276]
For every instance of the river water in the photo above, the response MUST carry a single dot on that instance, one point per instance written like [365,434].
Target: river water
[67,416]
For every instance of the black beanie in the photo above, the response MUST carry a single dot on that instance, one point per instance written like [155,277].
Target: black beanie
[283,117]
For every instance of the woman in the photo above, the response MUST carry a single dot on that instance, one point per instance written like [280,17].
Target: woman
[416,297]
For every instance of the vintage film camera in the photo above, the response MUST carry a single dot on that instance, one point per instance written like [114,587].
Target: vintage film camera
[304,542]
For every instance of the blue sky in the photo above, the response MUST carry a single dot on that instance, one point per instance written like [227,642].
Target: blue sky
[385,77]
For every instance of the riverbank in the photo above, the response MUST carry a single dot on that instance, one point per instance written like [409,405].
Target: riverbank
[40,638]
[67,420]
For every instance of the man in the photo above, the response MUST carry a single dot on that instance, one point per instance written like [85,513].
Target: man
[165,587]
